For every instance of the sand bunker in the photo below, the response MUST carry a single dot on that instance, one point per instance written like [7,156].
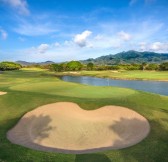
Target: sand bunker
[3,93]
[65,127]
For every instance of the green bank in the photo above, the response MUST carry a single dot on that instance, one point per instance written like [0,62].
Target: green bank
[123,74]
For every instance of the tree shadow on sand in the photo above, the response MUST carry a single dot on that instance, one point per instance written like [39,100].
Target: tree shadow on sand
[31,131]
[152,149]
[129,131]
[41,127]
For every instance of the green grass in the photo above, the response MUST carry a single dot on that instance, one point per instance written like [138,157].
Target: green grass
[133,75]
[28,89]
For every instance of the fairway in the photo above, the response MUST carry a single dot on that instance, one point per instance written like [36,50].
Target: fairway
[28,89]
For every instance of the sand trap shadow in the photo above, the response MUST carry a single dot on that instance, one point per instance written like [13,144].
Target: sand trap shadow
[33,128]
[92,158]
[65,127]
[136,127]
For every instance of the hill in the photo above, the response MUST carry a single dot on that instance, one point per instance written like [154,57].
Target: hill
[25,63]
[129,57]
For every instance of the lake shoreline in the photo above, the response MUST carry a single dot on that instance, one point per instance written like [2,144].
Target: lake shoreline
[156,87]
[113,78]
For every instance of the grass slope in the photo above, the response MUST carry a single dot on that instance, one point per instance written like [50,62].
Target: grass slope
[28,89]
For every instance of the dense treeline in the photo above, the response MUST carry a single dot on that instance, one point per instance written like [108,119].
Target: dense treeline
[76,66]
[9,66]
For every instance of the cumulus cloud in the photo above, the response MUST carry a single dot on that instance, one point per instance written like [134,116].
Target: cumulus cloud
[3,33]
[56,44]
[81,39]
[20,5]
[42,48]
[143,46]
[158,46]
[155,46]
[34,29]
[124,36]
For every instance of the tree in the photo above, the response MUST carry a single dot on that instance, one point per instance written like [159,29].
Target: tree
[114,67]
[74,66]
[9,66]
[152,67]
[56,67]
[90,66]
[63,66]
[143,66]
[164,66]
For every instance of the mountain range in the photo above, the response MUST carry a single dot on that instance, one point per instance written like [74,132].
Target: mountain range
[129,57]
[25,63]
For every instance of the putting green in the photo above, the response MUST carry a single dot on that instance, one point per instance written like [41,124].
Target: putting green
[58,87]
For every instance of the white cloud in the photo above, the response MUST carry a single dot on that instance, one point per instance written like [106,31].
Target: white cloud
[42,48]
[124,36]
[143,46]
[34,29]
[81,39]
[56,44]
[158,46]
[155,46]
[20,5]
[106,41]
[98,37]
[21,39]
[3,33]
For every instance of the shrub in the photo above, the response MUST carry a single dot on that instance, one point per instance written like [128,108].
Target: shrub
[74,66]
[90,66]
[164,66]
[9,66]
[56,67]
[152,67]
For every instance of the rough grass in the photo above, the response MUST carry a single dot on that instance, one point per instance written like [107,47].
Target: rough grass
[28,89]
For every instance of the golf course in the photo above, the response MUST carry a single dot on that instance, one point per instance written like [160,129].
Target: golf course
[31,91]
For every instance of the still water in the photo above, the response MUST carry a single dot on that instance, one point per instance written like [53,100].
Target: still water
[148,86]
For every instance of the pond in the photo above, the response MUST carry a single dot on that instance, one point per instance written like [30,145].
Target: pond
[148,86]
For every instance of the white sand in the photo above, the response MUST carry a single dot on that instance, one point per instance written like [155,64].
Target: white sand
[74,72]
[3,93]
[65,127]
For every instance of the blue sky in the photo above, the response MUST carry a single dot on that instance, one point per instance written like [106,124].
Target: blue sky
[63,30]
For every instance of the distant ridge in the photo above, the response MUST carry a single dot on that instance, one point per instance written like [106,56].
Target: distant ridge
[125,57]
[25,63]
[129,57]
